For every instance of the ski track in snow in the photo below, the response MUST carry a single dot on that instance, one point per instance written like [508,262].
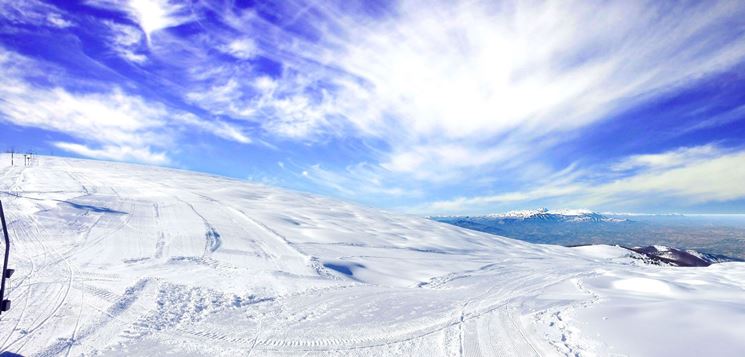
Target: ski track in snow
[120,259]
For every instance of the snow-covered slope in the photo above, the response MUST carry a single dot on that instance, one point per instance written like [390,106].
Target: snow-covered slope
[132,260]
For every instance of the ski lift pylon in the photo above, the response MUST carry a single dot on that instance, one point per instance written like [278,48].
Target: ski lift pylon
[6,273]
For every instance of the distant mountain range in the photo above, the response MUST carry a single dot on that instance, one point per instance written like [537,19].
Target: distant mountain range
[543,215]
[639,233]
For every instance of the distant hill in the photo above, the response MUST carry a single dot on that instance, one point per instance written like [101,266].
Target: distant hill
[663,255]
[717,236]
[564,227]
[543,215]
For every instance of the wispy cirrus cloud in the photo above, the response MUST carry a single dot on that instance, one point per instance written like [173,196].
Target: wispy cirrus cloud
[286,107]
[58,21]
[32,12]
[110,124]
[670,159]
[692,179]
[682,177]
[116,153]
[468,103]
[241,48]
[357,179]
[150,15]
[123,124]
[468,86]
[216,127]
[727,117]
[127,41]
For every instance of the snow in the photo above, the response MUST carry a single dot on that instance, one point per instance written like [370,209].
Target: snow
[644,286]
[573,212]
[540,211]
[120,259]
[661,248]
[677,311]
[561,215]
[602,251]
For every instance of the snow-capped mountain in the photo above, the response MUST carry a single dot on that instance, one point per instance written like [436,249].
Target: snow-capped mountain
[584,227]
[118,259]
[546,215]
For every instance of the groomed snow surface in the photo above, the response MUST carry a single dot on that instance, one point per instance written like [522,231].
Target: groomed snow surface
[118,259]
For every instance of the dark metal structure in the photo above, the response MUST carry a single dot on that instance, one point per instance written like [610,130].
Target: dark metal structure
[6,273]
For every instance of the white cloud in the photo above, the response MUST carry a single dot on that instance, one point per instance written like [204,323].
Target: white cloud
[461,204]
[284,107]
[725,118]
[111,124]
[242,48]
[107,117]
[682,177]
[150,15]
[216,127]
[118,153]
[356,180]
[33,12]
[447,92]
[453,88]
[676,158]
[698,180]
[126,41]
[58,21]
[460,92]
[266,85]
[126,125]
[223,99]
[296,117]
[444,162]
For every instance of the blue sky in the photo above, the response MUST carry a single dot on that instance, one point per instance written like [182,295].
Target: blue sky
[423,107]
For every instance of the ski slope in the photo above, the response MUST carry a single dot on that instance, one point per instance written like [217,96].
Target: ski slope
[119,259]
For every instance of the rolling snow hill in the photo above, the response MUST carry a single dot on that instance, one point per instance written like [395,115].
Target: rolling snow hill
[119,259]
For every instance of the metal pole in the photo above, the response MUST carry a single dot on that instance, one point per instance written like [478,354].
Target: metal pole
[4,304]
